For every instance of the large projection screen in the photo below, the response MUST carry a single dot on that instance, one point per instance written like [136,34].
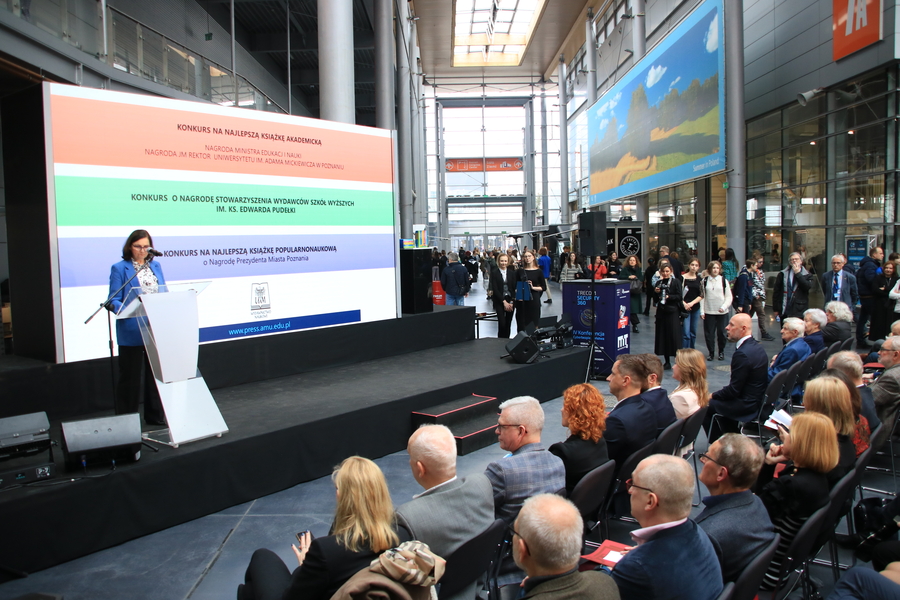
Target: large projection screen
[292,219]
[664,122]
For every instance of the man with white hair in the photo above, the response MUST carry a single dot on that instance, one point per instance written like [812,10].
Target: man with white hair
[850,364]
[673,556]
[886,389]
[838,328]
[795,349]
[528,469]
[791,295]
[546,545]
[814,320]
[450,511]
[839,285]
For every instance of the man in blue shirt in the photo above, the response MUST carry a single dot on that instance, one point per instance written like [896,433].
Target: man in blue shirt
[455,281]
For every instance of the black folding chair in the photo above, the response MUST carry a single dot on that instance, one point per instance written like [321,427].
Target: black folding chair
[589,494]
[727,592]
[471,560]
[625,473]
[837,507]
[795,566]
[751,577]
[668,441]
[818,363]
[835,347]
[847,344]
[692,426]
[791,380]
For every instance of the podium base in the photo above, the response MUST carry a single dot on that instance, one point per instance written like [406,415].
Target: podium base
[191,412]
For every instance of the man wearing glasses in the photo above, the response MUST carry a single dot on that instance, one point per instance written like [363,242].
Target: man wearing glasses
[546,545]
[886,389]
[734,518]
[671,552]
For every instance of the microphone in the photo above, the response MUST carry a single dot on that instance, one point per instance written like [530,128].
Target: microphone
[153,252]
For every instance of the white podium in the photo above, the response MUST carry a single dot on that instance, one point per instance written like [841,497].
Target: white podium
[170,327]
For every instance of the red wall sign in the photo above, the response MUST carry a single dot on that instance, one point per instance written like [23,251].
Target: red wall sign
[855,25]
[465,165]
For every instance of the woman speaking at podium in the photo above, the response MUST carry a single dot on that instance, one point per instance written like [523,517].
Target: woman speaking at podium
[135,375]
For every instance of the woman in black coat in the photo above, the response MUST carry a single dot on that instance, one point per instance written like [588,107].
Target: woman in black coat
[882,305]
[529,311]
[668,321]
[584,413]
[503,294]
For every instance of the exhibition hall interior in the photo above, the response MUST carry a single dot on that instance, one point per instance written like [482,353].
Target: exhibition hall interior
[286,284]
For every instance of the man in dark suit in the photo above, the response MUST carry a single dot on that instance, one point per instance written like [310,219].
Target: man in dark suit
[735,519]
[674,557]
[790,297]
[677,267]
[886,389]
[450,511]
[742,398]
[653,393]
[547,546]
[838,284]
[631,425]
[869,268]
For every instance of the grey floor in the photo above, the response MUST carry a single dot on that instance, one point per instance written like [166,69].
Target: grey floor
[205,559]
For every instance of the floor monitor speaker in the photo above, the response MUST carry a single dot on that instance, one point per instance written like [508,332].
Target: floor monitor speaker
[522,348]
[98,440]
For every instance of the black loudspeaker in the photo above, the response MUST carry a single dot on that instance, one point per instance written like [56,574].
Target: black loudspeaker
[24,434]
[415,281]
[592,239]
[551,239]
[102,440]
[522,348]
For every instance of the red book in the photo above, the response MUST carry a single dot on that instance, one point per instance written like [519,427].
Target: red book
[601,555]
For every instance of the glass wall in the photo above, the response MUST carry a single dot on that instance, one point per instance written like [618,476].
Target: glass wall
[824,171]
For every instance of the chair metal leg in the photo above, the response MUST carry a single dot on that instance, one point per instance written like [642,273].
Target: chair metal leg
[696,476]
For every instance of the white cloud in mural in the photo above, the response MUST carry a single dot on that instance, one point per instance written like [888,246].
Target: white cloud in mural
[656,73]
[712,35]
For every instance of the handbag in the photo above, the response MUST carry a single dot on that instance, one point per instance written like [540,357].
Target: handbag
[868,515]
[636,286]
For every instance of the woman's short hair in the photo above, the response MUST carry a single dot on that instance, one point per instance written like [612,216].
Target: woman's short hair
[813,442]
[840,310]
[713,263]
[587,411]
[817,315]
[830,397]
[542,251]
[692,367]
[637,261]
[137,234]
[365,514]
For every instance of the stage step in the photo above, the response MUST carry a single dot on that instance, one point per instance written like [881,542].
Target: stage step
[472,420]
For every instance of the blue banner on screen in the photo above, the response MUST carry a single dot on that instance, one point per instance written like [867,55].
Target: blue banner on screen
[664,122]
[239,330]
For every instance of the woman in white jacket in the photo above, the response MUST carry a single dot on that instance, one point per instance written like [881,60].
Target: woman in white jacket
[714,308]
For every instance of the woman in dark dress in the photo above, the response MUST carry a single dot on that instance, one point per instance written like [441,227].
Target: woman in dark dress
[632,272]
[363,528]
[613,266]
[584,413]
[809,451]
[668,322]
[529,311]
[882,305]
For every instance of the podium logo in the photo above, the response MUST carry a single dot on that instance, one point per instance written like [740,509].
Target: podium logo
[259,296]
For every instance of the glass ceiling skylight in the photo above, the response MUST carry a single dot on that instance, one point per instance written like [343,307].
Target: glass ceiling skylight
[493,33]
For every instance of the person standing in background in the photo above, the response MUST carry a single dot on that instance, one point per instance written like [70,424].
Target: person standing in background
[545,263]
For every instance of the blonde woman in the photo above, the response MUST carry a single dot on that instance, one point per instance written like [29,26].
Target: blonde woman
[363,528]
[829,396]
[692,392]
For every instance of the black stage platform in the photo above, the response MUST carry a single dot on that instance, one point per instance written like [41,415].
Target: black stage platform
[283,431]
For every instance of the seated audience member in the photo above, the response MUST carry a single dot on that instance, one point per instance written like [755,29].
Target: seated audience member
[829,396]
[692,393]
[584,414]
[886,389]
[814,320]
[673,557]
[851,365]
[450,511]
[742,398]
[653,393]
[547,545]
[363,528]
[734,518]
[860,583]
[631,424]
[861,430]
[795,349]
[809,452]
[528,469]
[840,323]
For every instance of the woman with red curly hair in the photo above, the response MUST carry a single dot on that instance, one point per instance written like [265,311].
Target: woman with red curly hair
[584,413]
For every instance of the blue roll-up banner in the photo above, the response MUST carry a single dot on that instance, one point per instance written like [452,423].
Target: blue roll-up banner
[612,326]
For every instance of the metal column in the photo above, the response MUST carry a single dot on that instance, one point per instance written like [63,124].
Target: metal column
[565,216]
[545,171]
[735,137]
[590,53]
[638,30]
[404,149]
[529,212]
[384,64]
[337,93]
[233,58]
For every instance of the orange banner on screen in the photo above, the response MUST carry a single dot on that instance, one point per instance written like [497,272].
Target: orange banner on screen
[468,165]
[855,25]
[105,133]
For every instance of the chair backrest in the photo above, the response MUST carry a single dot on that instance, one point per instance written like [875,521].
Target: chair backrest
[727,592]
[751,577]
[791,378]
[667,441]
[692,426]
[471,559]
[800,548]
[847,344]
[773,392]
[590,493]
[818,363]
[632,461]
[837,498]
[835,347]
[879,437]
